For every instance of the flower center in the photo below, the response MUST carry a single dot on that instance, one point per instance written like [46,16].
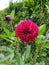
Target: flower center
[25,31]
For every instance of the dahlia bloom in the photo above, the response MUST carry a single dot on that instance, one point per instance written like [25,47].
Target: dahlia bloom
[27,31]
[8,18]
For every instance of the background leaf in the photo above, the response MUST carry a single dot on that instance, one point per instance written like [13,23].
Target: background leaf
[41,63]
[26,53]
[12,14]
[42,29]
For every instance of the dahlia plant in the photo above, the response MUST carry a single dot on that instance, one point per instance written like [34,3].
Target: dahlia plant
[26,33]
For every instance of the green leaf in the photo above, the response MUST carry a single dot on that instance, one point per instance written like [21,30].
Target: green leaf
[41,63]
[9,33]
[26,53]
[5,37]
[28,64]
[47,8]
[3,64]
[40,39]
[47,36]
[6,31]
[19,59]
[12,14]
[42,29]
[10,54]
[46,45]
[16,63]
[37,64]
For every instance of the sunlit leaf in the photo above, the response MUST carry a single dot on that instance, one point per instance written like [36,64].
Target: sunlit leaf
[42,29]
[46,45]
[12,14]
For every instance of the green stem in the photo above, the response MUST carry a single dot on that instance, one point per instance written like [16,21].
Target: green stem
[35,57]
[36,54]
[12,25]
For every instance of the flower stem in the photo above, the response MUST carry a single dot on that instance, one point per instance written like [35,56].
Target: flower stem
[12,26]
[36,54]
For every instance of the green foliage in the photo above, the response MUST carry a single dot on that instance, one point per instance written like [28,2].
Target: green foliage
[41,39]
[12,14]
[26,53]
[42,29]
[41,63]
[3,57]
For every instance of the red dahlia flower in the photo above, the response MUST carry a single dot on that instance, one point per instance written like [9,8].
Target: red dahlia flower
[8,18]
[27,31]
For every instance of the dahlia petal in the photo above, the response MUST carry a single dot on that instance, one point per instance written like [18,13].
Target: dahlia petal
[27,31]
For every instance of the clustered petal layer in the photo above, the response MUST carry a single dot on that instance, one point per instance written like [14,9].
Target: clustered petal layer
[27,31]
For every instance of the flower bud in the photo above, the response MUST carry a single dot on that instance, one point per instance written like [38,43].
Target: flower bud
[8,18]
